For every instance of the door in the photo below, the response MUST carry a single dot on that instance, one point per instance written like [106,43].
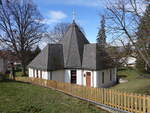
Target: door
[88,79]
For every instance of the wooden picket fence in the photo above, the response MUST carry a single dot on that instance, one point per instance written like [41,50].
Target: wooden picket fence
[130,102]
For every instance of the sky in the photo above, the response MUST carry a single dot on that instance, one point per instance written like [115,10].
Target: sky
[87,14]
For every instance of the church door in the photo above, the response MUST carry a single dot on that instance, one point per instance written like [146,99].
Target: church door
[88,79]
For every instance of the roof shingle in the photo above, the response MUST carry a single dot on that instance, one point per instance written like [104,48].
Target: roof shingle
[49,59]
[73,45]
[95,58]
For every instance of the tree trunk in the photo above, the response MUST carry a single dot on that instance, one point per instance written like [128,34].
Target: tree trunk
[24,69]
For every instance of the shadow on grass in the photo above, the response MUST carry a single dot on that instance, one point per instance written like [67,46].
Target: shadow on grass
[10,80]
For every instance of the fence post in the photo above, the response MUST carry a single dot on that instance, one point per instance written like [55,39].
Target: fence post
[140,105]
[144,103]
[121,99]
[118,102]
[148,104]
[125,101]
[128,101]
[115,98]
[135,102]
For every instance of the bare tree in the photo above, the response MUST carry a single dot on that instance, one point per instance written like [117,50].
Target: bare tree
[20,27]
[58,32]
[123,17]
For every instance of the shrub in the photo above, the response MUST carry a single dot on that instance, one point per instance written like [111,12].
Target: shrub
[4,76]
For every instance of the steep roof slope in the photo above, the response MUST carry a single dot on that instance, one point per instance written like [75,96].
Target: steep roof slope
[49,59]
[95,58]
[73,46]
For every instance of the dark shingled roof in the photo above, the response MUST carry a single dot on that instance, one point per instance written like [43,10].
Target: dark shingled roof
[49,59]
[73,45]
[95,58]
[73,52]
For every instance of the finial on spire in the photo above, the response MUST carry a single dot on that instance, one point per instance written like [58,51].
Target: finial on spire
[73,15]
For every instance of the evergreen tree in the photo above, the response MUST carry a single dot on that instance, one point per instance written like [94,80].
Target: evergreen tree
[33,53]
[144,39]
[37,50]
[101,37]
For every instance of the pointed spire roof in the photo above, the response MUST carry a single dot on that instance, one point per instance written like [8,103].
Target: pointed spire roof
[49,59]
[73,45]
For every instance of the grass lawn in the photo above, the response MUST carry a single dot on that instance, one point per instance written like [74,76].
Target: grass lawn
[18,97]
[135,83]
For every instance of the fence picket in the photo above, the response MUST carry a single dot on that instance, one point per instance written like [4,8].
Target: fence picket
[144,103]
[125,102]
[136,103]
[140,108]
[148,104]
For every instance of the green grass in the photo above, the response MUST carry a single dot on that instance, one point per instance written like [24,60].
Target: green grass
[135,83]
[19,73]
[128,74]
[18,97]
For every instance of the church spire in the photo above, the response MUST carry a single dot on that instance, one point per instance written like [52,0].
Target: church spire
[73,15]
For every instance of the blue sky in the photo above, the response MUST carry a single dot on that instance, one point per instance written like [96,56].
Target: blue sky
[87,13]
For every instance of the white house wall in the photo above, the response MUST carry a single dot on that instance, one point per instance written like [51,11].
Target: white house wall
[46,75]
[30,72]
[94,79]
[65,76]
[107,81]
[58,75]
[80,77]
[54,75]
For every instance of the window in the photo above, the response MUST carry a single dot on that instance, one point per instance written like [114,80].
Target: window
[37,74]
[110,74]
[40,73]
[102,77]
[50,75]
[73,76]
[33,72]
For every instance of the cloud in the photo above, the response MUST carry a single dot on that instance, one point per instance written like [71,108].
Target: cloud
[88,3]
[54,17]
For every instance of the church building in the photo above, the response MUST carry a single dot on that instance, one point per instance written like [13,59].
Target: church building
[74,60]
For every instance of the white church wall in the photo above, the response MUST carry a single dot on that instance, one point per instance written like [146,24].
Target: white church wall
[107,81]
[58,75]
[94,79]
[45,75]
[67,76]
[39,73]
[79,77]
[30,71]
